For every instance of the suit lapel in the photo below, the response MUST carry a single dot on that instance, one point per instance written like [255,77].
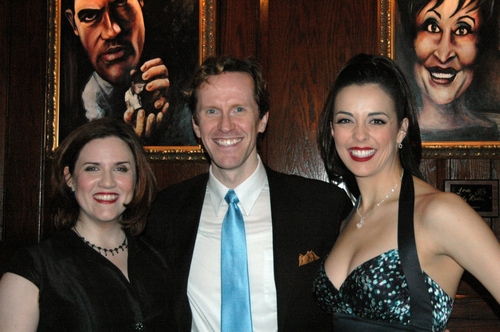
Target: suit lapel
[286,237]
[188,222]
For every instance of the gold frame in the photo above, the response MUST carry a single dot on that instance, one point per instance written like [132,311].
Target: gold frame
[431,150]
[207,21]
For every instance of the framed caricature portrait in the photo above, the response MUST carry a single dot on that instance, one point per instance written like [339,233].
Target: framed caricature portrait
[126,58]
[450,53]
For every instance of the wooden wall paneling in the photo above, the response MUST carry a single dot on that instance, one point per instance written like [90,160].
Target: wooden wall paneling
[495,171]
[237,25]
[428,167]
[24,127]
[469,169]
[4,100]
[5,24]
[474,308]
[307,43]
[441,173]
[465,325]
[264,54]
[171,172]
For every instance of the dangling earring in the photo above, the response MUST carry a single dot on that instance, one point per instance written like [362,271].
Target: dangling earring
[400,146]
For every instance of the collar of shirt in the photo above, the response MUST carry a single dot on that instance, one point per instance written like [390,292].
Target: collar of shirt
[103,84]
[247,192]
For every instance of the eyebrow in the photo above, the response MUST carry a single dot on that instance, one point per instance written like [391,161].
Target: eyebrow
[98,163]
[459,18]
[435,12]
[369,114]
[467,16]
[87,11]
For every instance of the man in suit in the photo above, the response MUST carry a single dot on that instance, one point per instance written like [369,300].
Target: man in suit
[290,222]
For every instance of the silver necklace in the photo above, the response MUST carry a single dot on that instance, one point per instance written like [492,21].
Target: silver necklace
[362,218]
[123,246]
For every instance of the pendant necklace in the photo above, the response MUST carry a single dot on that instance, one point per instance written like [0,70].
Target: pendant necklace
[362,218]
[123,246]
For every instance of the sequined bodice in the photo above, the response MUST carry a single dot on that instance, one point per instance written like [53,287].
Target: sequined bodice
[377,289]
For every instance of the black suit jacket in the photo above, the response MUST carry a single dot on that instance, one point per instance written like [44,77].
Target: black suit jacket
[306,215]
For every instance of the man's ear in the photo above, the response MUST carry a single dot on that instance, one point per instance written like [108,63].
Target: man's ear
[71,18]
[196,128]
[68,178]
[263,123]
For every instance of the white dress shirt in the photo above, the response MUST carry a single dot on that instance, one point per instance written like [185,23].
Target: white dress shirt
[204,282]
[95,97]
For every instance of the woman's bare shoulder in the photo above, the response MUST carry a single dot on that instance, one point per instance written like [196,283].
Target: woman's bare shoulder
[436,206]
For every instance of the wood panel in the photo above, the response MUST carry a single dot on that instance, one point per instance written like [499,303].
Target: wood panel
[238,28]
[26,50]
[171,172]
[307,43]
[4,100]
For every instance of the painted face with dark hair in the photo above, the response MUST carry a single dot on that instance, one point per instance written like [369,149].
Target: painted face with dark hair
[446,49]
[112,32]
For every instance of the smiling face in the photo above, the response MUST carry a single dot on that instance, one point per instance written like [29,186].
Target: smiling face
[228,123]
[365,129]
[112,32]
[446,49]
[103,180]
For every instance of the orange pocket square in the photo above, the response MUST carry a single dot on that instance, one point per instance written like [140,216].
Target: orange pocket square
[309,257]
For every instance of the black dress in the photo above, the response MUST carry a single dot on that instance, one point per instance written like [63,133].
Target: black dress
[81,290]
[390,288]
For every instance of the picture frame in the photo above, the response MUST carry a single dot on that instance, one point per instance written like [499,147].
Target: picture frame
[481,195]
[470,149]
[202,19]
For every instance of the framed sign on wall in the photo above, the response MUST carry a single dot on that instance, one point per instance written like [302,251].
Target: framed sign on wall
[482,195]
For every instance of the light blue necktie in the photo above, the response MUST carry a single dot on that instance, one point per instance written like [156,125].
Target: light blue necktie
[236,314]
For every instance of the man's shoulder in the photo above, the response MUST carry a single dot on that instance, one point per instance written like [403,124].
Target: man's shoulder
[299,181]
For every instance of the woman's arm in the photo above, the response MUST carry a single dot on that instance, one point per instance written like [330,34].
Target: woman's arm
[468,240]
[19,310]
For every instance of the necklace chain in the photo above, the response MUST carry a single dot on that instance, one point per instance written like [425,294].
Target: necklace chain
[362,218]
[123,246]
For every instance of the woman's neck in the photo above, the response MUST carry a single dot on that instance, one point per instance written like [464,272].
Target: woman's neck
[375,188]
[106,235]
